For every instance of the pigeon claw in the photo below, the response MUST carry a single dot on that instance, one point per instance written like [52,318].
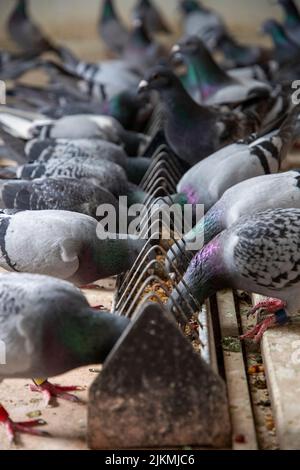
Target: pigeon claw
[23,427]
[50,391]
[269,305]
[257,332]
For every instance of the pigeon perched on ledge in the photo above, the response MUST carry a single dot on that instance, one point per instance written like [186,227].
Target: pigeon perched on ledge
[186,120]
[280,190]
[257,254]
[49,328]
[65,194]
[65,245]
[206,182]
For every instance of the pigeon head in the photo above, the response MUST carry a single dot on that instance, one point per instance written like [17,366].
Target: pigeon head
[159,79]
[191,45]
[272,27]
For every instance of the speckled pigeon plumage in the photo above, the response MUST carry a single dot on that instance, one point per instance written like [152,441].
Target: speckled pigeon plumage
[211,84]
[64,245]
[193,131]
[55,194]
[260,253]
[49,328]
[107,174]
[207,181]
[280,190]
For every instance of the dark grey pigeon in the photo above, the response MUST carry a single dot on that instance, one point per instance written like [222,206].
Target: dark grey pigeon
[194,131]
[55,194]
[154,20]
[292,19]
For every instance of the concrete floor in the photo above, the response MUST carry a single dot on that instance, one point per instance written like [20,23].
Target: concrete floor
[66,421]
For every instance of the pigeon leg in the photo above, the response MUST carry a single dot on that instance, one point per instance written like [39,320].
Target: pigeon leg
[270,305]
[24,427]
[256,333]
[50,391]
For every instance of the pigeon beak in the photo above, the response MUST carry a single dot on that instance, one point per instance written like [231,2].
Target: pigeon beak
[143,86]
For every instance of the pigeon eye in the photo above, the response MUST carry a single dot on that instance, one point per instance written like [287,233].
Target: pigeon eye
[155,76]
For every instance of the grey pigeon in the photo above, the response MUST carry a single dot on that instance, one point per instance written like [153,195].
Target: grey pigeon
[206,182]
[107,174]
[24,32]
[55,194]
[258,254]
[186,120]
[48,329]
[202,22]
[154,20]
[214,85]
[65,245]
[111,28]
[279,190]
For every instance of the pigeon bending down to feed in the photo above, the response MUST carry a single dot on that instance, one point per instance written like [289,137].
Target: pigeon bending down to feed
[65,194]
[25,33]
[66,245]
[111,29]
[154,20]
[257,254]
[49,328]
[209,83]
[186,120]
[280,190]
[202,22]
[206,182]
[107,174]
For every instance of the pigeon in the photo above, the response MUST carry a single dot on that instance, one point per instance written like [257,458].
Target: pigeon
[66,245]
[212,85]
[185,120]
[285,49]
[154,20]
[278,190]
[241,55]
[111,29]
[65,194]
[259,254]
[12,66]
[292,19]
[202,22]
[142,51]
[49,328]
[206,182]
[108,175]
[25,33]
[115,76]
[82,126]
